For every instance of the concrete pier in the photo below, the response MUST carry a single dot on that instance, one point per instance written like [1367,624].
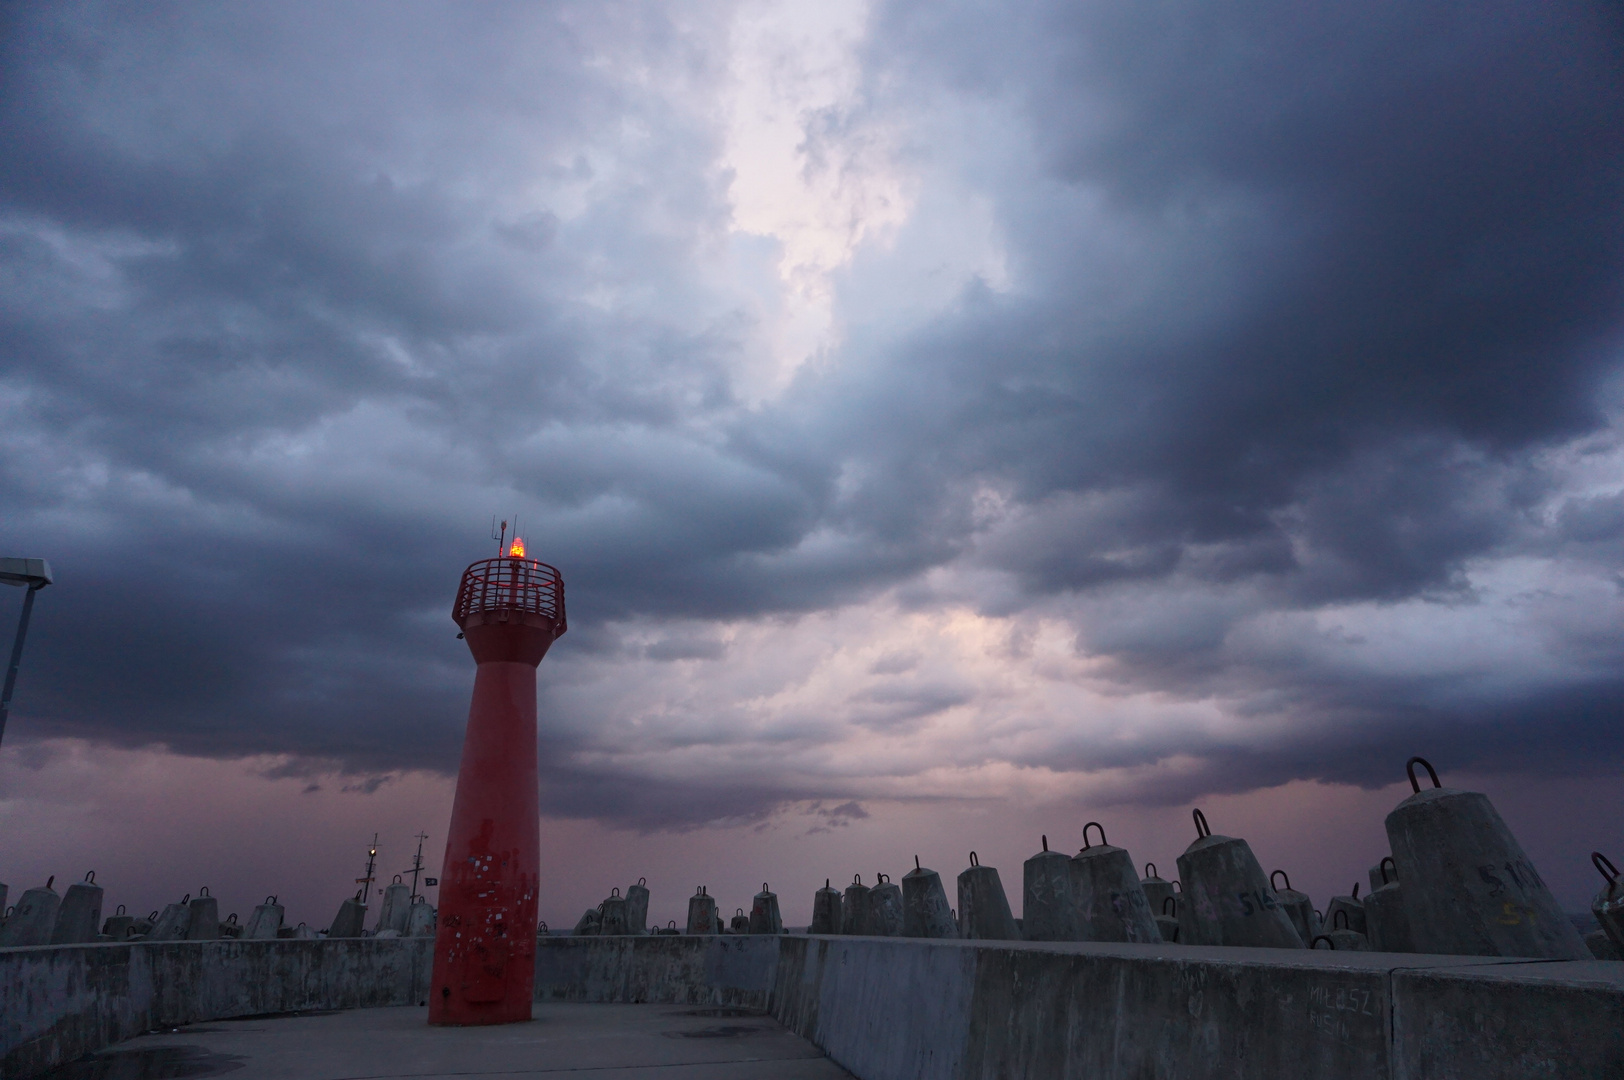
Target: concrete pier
[611,1042]
[898,1008]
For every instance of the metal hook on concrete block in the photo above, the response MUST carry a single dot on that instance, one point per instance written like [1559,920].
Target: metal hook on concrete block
[1409,770]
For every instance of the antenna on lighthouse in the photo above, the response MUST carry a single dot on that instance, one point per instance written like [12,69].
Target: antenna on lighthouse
[499,537]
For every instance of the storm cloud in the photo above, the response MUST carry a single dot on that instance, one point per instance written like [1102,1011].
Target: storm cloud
[924,400]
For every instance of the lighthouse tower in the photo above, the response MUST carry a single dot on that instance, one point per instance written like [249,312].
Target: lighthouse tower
[510,609]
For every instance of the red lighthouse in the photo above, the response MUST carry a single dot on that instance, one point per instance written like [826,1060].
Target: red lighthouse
[510,609]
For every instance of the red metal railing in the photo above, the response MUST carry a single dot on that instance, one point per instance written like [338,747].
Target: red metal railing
[512,585]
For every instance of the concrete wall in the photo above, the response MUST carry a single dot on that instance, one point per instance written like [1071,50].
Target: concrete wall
[901,1009]
[60,1002]
[1513,1019]
[682,970]
[955,1010]
[890,1009]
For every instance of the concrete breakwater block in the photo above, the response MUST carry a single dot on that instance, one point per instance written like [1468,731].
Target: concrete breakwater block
[1350,907]
[119,926]
[78,919]
[826,914]
[637,907]
[1339,936]
[33,918]
[1298,906]
[764,916]
[170,925]
[1469,888]
[1110,902]
[1608,906]
[1156,890]
[203,917]
[351,919]
[983,908]
[1167,922]
[854,908]
[394,907]
[1387,923]
[421,919]
[265,922]
[613,918]
[885,908]
[1048,899]
[925,910]
[1602,947]
[702,917]
[1227,900]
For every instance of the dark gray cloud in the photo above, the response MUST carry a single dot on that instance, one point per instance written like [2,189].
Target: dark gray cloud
[1311,308]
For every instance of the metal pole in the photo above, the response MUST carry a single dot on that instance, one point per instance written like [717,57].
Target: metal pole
[417,864]
[16,658]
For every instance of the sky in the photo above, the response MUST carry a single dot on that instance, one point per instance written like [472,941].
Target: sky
[953,422]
